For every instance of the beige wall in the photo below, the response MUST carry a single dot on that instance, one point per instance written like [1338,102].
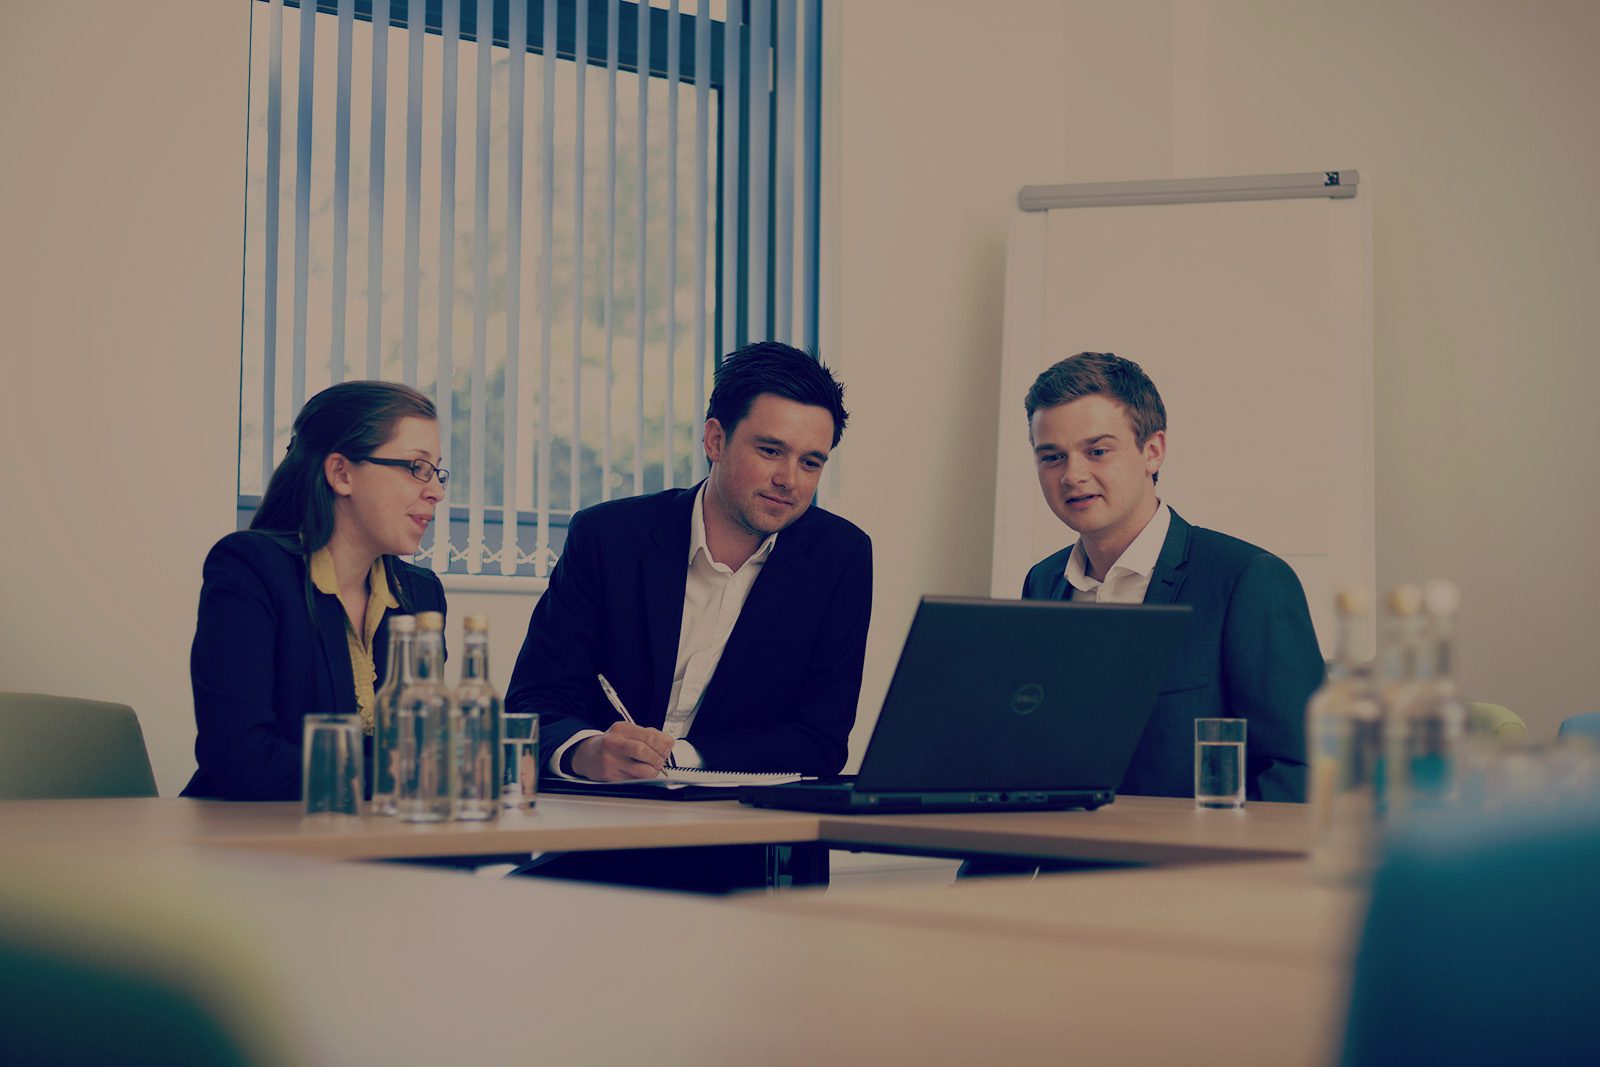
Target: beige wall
[121,221]
[925,167]
[121,242]
[1473,126]
[121,237]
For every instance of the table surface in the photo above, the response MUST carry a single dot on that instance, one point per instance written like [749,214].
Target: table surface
[555,824]
[1271,911]
[1155,830]
[356,963]
[1243,960]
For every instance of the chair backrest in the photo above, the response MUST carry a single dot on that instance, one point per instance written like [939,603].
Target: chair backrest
[54,746]
[1481,945]
[1585,725]
[136,963]
[1495,720]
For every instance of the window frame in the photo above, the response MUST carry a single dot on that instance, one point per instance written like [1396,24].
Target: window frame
[559,518]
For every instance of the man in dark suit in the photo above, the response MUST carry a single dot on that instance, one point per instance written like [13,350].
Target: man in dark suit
[731,618]
[1098,429]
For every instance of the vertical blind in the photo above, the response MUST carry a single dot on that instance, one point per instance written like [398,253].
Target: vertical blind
[549,217]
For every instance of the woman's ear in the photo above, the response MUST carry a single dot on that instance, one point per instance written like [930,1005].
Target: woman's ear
[339,472]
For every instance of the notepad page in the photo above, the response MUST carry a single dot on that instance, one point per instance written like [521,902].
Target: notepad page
[697,776]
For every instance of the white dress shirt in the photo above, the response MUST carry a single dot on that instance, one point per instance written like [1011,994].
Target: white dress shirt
[1128,579]
[713,596]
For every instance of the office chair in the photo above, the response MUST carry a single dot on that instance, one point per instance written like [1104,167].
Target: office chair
[54,746]
[1495,720]
[1586,726]
[130,963]
[1480,945]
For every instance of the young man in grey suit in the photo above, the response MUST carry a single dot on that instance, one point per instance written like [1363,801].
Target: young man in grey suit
[1098,429]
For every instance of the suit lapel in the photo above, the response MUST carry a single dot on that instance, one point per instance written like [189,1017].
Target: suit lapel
[664,568]
[777,584]
[1059,589]
[780,582]
[1167,578]
[336,651]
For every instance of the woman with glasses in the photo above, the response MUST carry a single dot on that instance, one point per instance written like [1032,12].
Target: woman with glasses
[294,611]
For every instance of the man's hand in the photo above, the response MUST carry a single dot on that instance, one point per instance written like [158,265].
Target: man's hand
[625,751]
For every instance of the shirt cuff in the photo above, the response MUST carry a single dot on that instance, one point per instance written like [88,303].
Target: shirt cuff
[686,755]
[554,763]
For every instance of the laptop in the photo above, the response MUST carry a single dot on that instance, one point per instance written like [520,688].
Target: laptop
[1005,705]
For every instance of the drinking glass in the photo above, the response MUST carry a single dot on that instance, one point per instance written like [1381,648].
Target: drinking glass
[1219,763]
[519,784]
[331,765]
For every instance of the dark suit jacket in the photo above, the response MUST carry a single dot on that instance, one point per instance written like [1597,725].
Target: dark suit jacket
[1249,652]
[784,693]
[260,663]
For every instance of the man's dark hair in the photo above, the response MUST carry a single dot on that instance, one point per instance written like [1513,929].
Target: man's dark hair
[776,368]
[1088,373]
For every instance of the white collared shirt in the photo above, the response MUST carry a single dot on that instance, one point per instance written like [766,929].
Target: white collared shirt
[713,596]
[1128,579]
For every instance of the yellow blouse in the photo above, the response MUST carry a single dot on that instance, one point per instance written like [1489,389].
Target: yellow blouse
[379,600]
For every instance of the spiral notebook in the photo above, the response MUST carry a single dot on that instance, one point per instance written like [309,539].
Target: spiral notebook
[676,783]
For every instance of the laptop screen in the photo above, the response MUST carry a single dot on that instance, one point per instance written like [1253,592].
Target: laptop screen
[1014,694]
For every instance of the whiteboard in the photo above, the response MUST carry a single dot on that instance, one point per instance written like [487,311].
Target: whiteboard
[1254,319]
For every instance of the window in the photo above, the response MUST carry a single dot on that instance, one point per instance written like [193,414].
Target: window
[553,242]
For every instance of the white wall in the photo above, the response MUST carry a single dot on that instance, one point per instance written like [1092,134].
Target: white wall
[926,160]
[121,213]
[121,221]
[121,244]
[1472,124]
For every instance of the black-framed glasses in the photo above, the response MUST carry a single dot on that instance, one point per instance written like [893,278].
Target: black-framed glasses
[420,469]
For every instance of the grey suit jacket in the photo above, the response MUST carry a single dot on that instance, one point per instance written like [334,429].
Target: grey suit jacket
[1250,652]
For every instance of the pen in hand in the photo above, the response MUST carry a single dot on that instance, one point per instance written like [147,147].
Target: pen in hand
[616,702]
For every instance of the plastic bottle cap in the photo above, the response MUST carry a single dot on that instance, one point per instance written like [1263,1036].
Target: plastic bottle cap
[476,624]
[406,624]
[430,620]
[1405,599]
[1353,600]
[1441,597]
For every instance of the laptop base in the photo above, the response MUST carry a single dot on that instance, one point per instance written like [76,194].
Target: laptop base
[841,798]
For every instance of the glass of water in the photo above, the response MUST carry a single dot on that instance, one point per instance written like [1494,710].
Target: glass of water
[331,765]
[519,781]
[1219,763]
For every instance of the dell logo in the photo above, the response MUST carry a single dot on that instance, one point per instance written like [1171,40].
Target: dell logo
[1027,700]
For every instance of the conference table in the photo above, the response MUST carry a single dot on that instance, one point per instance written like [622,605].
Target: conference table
[1219,948]
[1152,830]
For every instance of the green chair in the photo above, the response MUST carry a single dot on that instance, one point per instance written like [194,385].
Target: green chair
[1480,944]
[1585,727]
[54,746]
[133,962]
[1494,720]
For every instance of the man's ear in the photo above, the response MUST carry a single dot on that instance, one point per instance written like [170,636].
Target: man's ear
[1155,451]
[715,440]
[339,471]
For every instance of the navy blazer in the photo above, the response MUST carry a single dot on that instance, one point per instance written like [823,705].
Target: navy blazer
[1249,652]
[784,693]
[261,663]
